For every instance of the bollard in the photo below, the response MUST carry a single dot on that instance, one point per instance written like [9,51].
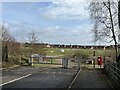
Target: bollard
[65,62]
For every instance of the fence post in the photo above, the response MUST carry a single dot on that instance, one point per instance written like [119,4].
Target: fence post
[78,62]
[113,73]
[104,62]
[94,59]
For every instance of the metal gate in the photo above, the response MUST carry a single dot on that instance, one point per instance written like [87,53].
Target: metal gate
[79,62]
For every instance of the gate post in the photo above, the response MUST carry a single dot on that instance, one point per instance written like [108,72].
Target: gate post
[104,62]
[65,62]
[78,62]
[94,59]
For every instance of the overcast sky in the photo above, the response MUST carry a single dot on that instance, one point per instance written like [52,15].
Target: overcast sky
[58,21]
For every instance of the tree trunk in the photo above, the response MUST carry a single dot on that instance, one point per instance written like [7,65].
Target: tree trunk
[5,53]
[119,23]
[113,30]
[119,13]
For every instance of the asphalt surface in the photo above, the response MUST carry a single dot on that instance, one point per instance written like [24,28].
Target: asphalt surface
[91,79]
[52,77]
[56,77]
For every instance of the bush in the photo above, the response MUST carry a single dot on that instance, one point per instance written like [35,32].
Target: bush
[83,55]
[24,60]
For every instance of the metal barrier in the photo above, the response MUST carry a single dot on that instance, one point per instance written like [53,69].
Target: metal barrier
[113,73]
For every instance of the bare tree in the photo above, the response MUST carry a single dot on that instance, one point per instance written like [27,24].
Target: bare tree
[5,38]
[104,14]
[9,45]
[33,38]
[119,21]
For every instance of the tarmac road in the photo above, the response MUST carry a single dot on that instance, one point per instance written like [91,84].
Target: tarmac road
[91,79]
[36,77]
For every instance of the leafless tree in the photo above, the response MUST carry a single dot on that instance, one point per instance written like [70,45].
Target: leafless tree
[33,38]
[5,35]
[8,42]
[119,21]
[105,17]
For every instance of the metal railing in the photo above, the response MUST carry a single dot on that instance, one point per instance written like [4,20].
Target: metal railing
[113,73]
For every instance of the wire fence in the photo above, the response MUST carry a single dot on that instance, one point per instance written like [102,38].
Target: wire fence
[113,73]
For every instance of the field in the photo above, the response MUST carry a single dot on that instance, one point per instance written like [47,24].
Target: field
[85,54]
[81,52]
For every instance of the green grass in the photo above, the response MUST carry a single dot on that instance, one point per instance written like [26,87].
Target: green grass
[85,53]
[26,52]
[56,51]
[40,65]
[71,52]
[43,65]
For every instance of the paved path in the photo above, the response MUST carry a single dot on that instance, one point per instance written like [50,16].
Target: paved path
[36,77]
[91,79]
[53,78]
